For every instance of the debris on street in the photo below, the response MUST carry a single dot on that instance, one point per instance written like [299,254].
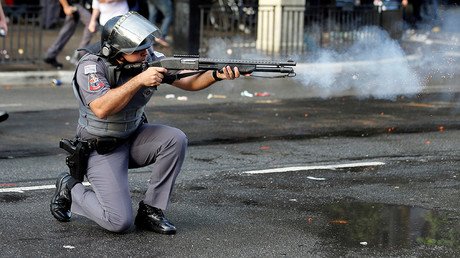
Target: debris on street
[182,98]
[56,82]
[262,94]
[216,96]
[247,94]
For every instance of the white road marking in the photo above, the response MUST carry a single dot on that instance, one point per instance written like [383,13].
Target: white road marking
[302,168]
[30,188]
[263,171]
[316,178]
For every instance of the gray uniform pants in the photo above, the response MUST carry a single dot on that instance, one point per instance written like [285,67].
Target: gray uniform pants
[51,9]
[108,202]
[68,29]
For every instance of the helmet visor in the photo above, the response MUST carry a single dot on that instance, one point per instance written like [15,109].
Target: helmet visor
[133,33]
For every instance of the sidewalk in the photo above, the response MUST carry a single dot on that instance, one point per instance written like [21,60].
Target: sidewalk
[42,73]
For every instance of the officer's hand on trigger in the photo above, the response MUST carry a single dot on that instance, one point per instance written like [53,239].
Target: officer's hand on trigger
[153,76]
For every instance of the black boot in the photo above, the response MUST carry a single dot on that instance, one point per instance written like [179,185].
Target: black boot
[53,62]
[62,200]
[3,116]
[153,219]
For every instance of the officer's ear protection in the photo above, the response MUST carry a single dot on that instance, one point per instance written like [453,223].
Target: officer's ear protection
[106,50]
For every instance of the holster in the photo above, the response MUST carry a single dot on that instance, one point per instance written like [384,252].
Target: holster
[77,161]
[79,151]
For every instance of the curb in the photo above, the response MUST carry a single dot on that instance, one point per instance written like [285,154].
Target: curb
[34,77]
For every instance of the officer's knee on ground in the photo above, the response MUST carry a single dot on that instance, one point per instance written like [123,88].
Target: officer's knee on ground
[122,225]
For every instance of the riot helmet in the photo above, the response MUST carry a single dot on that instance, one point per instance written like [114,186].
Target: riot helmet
[126,34]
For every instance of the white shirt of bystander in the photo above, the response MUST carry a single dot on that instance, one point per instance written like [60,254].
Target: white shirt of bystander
[110,8]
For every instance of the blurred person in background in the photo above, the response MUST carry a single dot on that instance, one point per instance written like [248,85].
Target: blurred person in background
[429,11]
[51,10]
[75,11]
[3,22]
[104,10]
[166,8]
[414,18]
[3,32]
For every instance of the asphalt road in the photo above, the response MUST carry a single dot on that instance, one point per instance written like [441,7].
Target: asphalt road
[356,176]
[221,211]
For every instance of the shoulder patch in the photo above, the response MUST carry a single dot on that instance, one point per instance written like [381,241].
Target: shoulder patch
[90,69]
[94,84]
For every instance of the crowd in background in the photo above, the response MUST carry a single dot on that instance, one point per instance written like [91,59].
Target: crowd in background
[422,12]
[94,14]
[159,11]
[415,12]
[66,15]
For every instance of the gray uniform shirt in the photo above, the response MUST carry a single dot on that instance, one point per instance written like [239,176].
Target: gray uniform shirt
[91,79]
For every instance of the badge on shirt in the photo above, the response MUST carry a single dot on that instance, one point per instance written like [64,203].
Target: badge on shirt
[90,69]
[94,84]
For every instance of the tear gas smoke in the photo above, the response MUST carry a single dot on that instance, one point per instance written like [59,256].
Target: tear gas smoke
[374,66]
[439,51]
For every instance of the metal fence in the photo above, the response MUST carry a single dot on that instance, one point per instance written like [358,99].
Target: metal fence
[23,43]
[323,27]
[335,27]
[234,29]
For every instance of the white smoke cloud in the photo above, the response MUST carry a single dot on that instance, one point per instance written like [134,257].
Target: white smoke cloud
[439,48]
[373,66]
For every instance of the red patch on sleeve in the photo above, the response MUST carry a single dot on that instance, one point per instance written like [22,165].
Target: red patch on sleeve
[94,84]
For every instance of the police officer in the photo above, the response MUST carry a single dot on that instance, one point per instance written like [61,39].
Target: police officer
[116,111]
